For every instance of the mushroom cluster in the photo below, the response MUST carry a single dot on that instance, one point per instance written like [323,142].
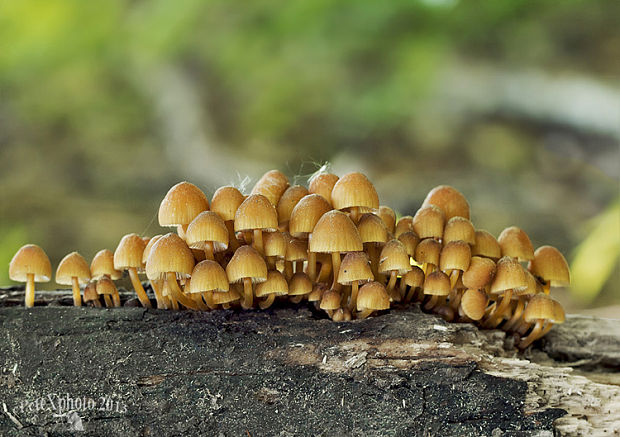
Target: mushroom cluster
[331,244]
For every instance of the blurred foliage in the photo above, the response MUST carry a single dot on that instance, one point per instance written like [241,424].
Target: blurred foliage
[105,104]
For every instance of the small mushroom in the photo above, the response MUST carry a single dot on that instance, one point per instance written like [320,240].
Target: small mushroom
[374,235]
[208,279]
[372,297]
[247,267]
[473,304]
[322,183]
[414,279]
[459,229]
[330,302]
[30,264]
[299,286]
[106,288]
[388,216]
[272,185]
[207,232]
[225,202]
[258,215]
[355,268]
[102,266]
[427,254]
[486,246]
[515,243]
[275,285]
[450,200]
[73,270]
[508,277]
[551,267]
[436,285]
[287,202]
[394,260]
[128,256]
[544,312]
[353,192]
[91,295]
[404,224]
[181,205]
[428,222]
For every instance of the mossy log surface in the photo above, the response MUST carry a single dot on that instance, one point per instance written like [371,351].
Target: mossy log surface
[287,371]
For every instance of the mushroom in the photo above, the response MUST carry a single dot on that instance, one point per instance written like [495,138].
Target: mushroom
[473,304]
[170,258]
[428,222]
[181,205]
[128,256]
[249,267]
[30,264]
[436,285]
[478,276]
[207,232]
[208,278]
[388,216]
[459,229]
[318,290]
[106,288]
[413,279]
[256,214]
[374,235]
[299,286]
[91,295]
[163,301]
[271,185]
[322,183]
[304,217]
[450,200]
[508,277]
[330,302]
[225,299]
[394,260]
[335,233]
[404,224]
[354,269]
[275,285]
[372,297]
[515,243]
[73,270]
[355,193]
[287,202]
[102,266]
[427,254]
[551,267]
[225,202]
[275,244]
[522,296]
[297,253]
[410,240]
[544,312]
[454,259]
[486,246]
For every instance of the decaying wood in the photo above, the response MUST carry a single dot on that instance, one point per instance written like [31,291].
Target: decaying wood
[287,371]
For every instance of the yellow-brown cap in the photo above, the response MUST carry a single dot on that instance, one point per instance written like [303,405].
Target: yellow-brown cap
[256,212]
[103,264]
[459,229]
[533,286]
[330,300]
[450,200]
[296,250]
[299,284]
[271,185]
[428,222]
[182,204]
[486,245]
[354,190]
[428,251]
[275,284]
[208,276]
[388,216]
[539,307]
[148,247]
[231,295]
[509,275]
[169,254]
[372,229]
[354,267]
[129,252]
[437,283]
[335,232]
[514,242]
[106,286]
[410,240]
[558,313]
[306,215]
[480,273]
[456,255]
[323,184]
[373,296]
[72,266]
[394,256]
[226,201]
[90,292]
[207,227]
[287,202]
[550,265]
[404,224]
[318,289]
[275,244]
[474,303]
[414,278]
[30,259]
[246,263]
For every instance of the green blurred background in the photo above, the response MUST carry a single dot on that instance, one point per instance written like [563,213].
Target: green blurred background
[105,104]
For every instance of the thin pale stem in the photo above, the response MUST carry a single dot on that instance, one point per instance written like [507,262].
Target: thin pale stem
[354,291]
[258,241]
[248,293]
[177,294]
[29,298]
[75,286]
[208,248]
[267,302]
[312,265]
[162,301]
[533,336]
[336,268]
[139,289]
[108,301]
[392,282]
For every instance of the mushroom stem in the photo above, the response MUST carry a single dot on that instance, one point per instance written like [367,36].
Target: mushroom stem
[248,300]
[197,297]
[325,272]
[515,316]
[96,302]
[232,237]
[354,291]
[139,289]
[496,317]
[288,269]
[312,265]
[363,314]
[455,299]
[411,294]
[177,294]
[296,299]
[431,302]
[29,299]
[162,301]
[208,297]
[547,287]
[392,282]
[336,268]
[533,336]
[266,303]
[108,301]
[454,278]
[373,255]
[208,248]
[116,298]
[257,241]
[299,266]
[75,286]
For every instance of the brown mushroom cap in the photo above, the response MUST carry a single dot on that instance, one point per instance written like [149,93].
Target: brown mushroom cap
[129,252]
[428,222]
[271,185]
[437,283]
[404,224]
[394,256]
[474,303]
[106,286]
[299,284]
[275,244]
[30,259]
[275,284]
[480,273]
[533,286]
[169,254]
[231,295]
[459,229]
[90,292]
[373,296]
[323,184]
[182,204]
[539,307]
[149,246]
[306,215]
[456,255]
[428,251]
[514,242]
[355,267]
[509,275]
[354,190]
[207,227]
[415,277]
[550,265]
[318,289]
[256,212]
[330,300]
[335,232]
[372,229]
[388,216]
[289,199]
[72,266]
[296,250]
[226,201]
[208,276]
[103,264]
[450,200]
[246,263]
[410,240]
[486,245]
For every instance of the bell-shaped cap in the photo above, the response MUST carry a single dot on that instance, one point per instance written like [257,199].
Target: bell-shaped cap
[208,276]
[428,222]
[287,202]
[103,264]
[410,240]
[306,215]
[550,265]
[514,242]
[335,232]
[456,255]
[296,250]
[256,212]
[450,200]
[509,275]
[72,266]
[394,256]
[182,204]
[246,263]
[474,303]
[373,296]
[414,278]
[226,201]
[388,216]
[480,273]
[323,184]
[354,190]
[207,227]
[106,286]
[355,267]
[404,224]
[271,185]
[486,245]
[428,251]
[275,284]
[300,284]
[169,254]
[372,229]
[275,243]
[539,307]
[30,259]
[330,300]
[459,229]
[437,283]
[129,252]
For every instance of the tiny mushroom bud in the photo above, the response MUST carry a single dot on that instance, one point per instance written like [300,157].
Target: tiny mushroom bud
[73,270]
[428,222]
[30,264]
[275,244]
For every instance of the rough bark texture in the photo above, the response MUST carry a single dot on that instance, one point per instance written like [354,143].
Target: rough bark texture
[287,371]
